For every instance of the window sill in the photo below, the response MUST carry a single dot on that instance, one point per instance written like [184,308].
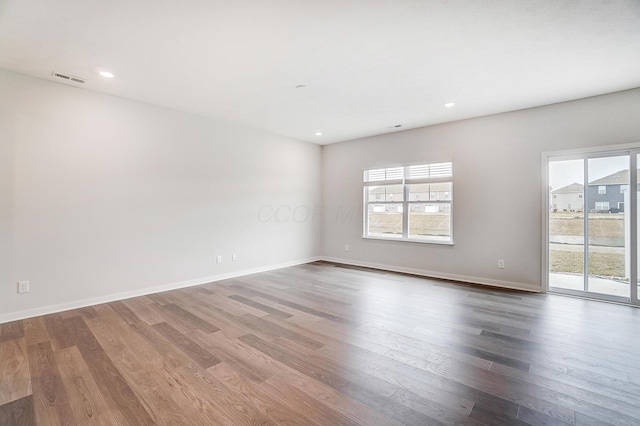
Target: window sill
[405,240]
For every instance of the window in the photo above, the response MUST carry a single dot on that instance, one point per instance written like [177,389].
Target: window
[602,189]
[602,205]
[411,203]
[624,188]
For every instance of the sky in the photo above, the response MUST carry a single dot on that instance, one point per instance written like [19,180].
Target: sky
[566,172]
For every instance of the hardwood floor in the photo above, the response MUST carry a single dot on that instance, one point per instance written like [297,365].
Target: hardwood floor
[323,344]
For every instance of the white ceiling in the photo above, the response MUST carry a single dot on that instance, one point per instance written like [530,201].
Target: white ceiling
[367,64]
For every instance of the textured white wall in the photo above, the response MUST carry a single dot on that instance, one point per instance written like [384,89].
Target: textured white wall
[101,196]
[497,186]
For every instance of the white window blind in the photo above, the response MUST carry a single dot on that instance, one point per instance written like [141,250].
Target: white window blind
[377,175]
[431,171]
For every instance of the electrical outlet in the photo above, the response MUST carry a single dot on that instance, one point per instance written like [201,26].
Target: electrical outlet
[234,257]
[219,259]
[23,287]
[500,264]
[346,247]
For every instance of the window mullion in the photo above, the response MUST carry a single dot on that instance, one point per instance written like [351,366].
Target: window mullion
[405,210]
[585,225]
[633,226]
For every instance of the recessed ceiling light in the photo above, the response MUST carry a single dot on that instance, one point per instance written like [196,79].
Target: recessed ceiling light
[318,133]
[450,104]
[301,86]
[106,74]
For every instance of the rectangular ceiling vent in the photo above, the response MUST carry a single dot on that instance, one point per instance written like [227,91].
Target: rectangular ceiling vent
[68,77]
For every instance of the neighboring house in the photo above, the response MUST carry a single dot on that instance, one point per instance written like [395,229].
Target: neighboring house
[607,194]
[419,192]
[603,195]
[568,198]
[386,193]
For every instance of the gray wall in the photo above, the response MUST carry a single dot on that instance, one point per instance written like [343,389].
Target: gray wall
[497,187]
[102,197]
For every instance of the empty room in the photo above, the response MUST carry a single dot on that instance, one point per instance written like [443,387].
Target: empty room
[279,212]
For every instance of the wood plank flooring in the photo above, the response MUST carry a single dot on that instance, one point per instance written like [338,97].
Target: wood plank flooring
[325,344]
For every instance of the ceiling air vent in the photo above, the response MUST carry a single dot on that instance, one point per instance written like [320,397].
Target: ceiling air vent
[68,77]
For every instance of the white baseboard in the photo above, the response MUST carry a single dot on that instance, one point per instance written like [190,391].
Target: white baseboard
[51,309]
[440,275]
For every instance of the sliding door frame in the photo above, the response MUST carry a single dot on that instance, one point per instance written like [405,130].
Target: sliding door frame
[632,150]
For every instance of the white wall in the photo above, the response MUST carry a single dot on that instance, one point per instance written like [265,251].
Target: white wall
[497,186]
[102,197]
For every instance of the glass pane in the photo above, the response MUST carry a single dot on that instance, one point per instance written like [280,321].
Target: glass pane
[608,248]
[385,220]
[430,191]
[566,224]
[385,193]
[419,192]
[430,221]
[440,191]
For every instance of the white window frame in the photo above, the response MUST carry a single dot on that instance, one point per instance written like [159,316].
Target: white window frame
[429,173]
[602,189]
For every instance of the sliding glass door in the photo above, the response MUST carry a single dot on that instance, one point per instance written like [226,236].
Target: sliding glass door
[592,225]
